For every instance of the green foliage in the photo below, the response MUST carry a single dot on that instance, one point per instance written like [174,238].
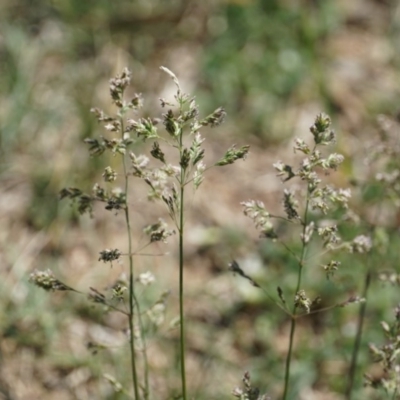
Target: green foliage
[254,64]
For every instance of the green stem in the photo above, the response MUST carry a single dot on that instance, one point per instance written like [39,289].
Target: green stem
[361,312]
[181,305]
[131,309]
[131,283]
[145,359]
[293,316]
[357,341]
[289,356]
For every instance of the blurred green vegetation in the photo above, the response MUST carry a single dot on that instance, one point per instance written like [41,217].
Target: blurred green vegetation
[255,65]
[272,65]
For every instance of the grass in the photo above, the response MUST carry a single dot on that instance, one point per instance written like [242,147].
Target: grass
[46,92]
[318,200]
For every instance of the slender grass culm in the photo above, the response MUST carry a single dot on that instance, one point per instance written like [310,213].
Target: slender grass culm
[309,209]
[181,124]
[167,183]
[115,200]
[379,191]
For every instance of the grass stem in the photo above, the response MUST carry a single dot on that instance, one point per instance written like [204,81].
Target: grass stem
[293,316]
[357,341]
[131,310]
[181,302]
[131,285]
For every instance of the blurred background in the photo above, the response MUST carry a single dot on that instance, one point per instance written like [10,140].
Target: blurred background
[273,65]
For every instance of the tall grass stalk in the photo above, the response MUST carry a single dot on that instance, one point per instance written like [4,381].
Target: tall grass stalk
[181,275]
[166,183]
[132,297]
[385,153]
[320,199]
[362,312]
[117,200]
[131,311]
[293,316]
[181,293]
[191,169]
[357,341]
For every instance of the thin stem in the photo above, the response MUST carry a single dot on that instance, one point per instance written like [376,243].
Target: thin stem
[282,307]
[133,302]
[132,299]
[361,316]
[293,317]
[103,300]
[181,305]
[145,359]
[131,306]
[289,250]
[240,272]
[151,254]
[289,356]
[357,342]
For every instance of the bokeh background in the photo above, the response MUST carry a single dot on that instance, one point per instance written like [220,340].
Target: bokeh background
[273,65]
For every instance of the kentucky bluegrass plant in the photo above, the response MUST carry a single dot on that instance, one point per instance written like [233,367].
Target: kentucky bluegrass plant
[167,183]
[310,208]
[379,190]
[313,209]
[179,124]
[382,195]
